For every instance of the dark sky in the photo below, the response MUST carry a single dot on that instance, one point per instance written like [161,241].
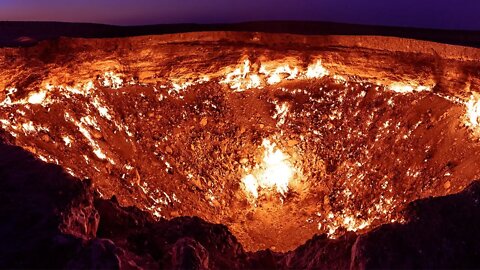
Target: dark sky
[451,14]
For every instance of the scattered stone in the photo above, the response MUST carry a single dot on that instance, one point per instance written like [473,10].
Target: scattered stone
[203,122]
[447,185]
[45,138]
[197,183]
[216,203]
[292,142]
[97,134]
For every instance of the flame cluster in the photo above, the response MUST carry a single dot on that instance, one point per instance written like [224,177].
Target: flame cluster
[247,77]
[473,111]
[275,172]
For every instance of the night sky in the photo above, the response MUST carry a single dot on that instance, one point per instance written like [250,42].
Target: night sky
[447,14]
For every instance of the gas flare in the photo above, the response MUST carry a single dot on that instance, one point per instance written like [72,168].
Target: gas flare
[473,111]
[276,171]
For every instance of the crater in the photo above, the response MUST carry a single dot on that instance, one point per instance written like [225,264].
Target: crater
[278,140]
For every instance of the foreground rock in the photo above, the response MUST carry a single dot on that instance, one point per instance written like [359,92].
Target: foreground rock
[440,234]
[52,220]
[48,218]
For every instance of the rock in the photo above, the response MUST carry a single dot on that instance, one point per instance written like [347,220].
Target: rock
[203,122]
[197,183]
[55,222]
[98,254]
[439,233]
[45,138]
[292,142]
[447,185]
[326,200]
[216,203]
[97,134]
[189,254]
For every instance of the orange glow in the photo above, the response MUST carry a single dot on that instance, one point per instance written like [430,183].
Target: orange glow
[473,111]
[275,171]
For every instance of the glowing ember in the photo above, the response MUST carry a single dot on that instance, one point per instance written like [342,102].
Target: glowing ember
[281,70]
[110,79]
[406,88]
[67,141]
[37,98]
[274,172]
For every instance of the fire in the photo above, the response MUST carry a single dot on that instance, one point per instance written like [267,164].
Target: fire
[276,75]
[473,111]
[251,185]
[276,171]
[316,70]
[403,88]
[245,76]
[37,98]
[112,80]
[240,79]
[67,141]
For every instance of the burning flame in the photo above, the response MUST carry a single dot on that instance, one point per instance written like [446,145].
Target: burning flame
[274,172]
[316,70]
[37,98]
[275,76]
[241,79]
[406,88]
[245,77]
[112,80]
[473,111]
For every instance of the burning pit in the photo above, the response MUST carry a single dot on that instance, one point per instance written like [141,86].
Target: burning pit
[278,141]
